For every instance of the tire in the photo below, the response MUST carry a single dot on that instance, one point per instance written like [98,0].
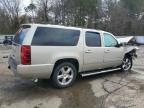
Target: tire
[126,64]
[64,75]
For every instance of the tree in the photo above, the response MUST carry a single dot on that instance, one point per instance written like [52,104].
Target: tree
[43,10]
[32,9]
[121,17]
[135,7]
[11,10]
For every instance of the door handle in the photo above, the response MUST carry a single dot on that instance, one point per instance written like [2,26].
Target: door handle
[89,51]
[107,51]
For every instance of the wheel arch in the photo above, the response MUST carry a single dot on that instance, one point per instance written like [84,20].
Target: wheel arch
[74,61]
[131,53]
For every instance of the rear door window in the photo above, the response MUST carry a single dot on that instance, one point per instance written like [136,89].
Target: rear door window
[93,39]
[45,36]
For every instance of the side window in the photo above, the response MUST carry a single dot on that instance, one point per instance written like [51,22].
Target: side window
[20,35]
[46,36]
[93,39]
[109,40]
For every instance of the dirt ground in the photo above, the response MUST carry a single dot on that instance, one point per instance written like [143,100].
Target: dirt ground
[112,90]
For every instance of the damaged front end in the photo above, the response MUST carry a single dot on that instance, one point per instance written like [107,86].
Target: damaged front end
[131,51]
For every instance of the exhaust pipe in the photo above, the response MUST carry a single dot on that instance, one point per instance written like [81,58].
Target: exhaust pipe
[9,67]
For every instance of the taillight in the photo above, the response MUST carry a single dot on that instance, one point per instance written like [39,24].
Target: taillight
[25,55]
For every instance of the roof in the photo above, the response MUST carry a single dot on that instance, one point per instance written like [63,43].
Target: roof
[62,26]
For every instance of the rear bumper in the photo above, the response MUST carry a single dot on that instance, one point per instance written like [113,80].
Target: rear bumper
[42,71]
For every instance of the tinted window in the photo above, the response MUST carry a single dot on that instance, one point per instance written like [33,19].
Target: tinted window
[93,39]
[20,35]
[109,40]
[55,37]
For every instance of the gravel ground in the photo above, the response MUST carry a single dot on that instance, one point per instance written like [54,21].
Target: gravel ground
[111,90]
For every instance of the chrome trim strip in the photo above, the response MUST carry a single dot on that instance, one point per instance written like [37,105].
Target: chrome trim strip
[35,65]
[99,72]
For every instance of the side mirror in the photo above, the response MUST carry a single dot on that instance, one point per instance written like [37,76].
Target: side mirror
[119,45]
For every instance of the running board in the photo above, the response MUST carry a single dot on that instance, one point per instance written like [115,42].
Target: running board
[99,72]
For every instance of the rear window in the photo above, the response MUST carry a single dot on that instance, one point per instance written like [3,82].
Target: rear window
[45,36]
[20,34]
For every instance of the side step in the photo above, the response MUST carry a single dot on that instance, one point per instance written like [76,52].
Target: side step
[99,72]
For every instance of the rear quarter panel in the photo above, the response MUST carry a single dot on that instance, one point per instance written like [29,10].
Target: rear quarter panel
[49,55]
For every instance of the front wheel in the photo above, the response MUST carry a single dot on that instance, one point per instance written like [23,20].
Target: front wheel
[64,75]
[126,64]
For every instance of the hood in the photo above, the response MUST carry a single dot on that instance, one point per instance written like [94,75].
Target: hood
[124,39]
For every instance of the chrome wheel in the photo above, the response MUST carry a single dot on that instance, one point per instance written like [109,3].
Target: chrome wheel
[127,64]
[65,75]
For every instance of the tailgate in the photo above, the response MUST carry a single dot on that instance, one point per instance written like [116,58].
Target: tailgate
[16,53]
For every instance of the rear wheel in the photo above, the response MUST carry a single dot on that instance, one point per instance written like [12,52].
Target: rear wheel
[64,75]
[126,64]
